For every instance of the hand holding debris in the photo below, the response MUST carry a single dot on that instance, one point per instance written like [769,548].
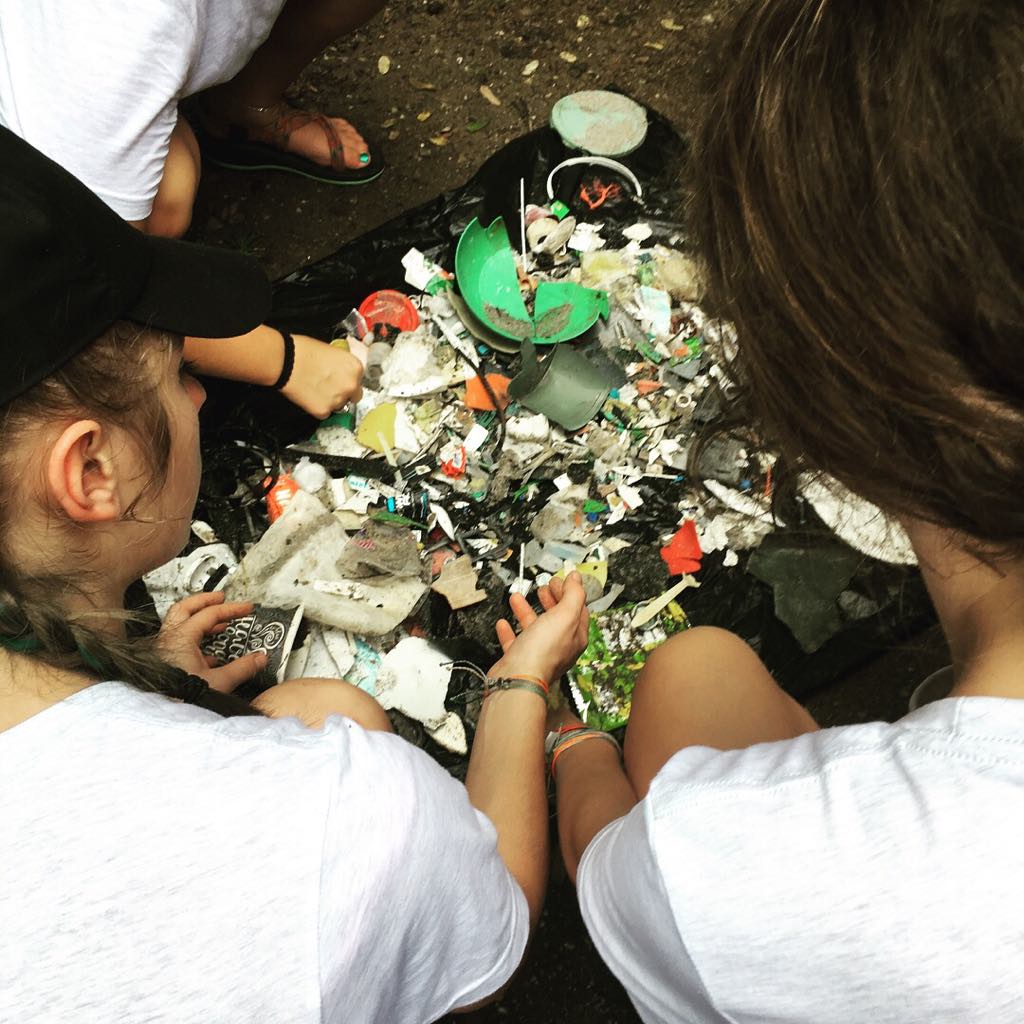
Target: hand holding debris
[188,623]
[549,643]
[324,378]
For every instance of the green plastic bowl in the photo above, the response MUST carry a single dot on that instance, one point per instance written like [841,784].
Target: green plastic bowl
[485,271]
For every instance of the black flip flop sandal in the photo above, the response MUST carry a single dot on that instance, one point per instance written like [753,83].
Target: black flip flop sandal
[238,152]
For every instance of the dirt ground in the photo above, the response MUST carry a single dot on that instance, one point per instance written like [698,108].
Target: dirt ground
[442,52]
[436,127]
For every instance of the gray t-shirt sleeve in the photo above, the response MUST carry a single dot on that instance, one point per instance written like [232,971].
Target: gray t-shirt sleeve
[433,920]
[627,912]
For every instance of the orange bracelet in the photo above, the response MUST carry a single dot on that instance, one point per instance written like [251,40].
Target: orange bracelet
[585,733]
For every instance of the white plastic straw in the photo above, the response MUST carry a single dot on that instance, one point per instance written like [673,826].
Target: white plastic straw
[522,225]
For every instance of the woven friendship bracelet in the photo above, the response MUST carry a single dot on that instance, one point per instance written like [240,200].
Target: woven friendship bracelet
[573,737]
[532,683]
[554,738]
[492,685]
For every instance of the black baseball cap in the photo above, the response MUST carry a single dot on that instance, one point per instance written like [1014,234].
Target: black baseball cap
[70,267]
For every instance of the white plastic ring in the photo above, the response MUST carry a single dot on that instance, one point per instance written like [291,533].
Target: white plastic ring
[598,161]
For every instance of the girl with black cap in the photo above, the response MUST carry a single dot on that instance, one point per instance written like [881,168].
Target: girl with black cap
[164,860]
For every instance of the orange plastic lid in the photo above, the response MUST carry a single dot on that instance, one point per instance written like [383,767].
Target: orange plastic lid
[391,310]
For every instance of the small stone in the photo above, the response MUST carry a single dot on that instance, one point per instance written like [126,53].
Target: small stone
[672,25]
[384,65]
[568,57]
[583,21]
[423,116]
[488,94]
[530,68]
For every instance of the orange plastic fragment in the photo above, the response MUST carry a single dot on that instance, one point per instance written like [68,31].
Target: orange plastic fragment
[280,495]
[476,394]
[645,387]
[682,554]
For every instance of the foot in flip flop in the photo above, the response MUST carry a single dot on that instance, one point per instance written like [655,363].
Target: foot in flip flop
[280,137]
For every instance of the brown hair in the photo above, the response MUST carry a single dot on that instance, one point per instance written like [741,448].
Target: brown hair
[113,380]
[859,203]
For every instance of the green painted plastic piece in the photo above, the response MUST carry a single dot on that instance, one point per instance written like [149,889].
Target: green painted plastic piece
[559,209]
[383,516]
[648,351]
[340,419]
[605,674]
[485,269]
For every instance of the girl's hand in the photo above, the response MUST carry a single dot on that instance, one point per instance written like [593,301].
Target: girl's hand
[188,622]
[549,643]
[324,378]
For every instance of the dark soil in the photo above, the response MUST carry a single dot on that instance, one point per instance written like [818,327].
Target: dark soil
[441,53]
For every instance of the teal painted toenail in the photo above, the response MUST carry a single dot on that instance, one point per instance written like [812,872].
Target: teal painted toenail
[364,158]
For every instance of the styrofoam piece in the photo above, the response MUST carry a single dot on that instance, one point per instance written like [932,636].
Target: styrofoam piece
[414,679]
[450,734]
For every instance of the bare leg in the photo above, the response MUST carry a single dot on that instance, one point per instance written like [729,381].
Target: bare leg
[313,700]
[302,30]
[172,207]
[705,687]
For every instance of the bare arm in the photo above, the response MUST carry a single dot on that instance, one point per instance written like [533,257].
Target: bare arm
[323,379]
[172,207]
[506,782]
[253,358]
[506,778]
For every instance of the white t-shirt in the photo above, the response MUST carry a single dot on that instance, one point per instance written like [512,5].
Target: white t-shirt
[95,84]
[872,874]
[158,863]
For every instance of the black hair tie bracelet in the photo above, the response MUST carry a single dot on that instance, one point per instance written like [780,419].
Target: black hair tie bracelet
[289,360]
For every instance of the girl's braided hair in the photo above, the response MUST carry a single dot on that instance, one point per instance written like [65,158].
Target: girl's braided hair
[112,380]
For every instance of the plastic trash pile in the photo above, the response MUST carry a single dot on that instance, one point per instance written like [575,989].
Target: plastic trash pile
[527,411]
[489,466]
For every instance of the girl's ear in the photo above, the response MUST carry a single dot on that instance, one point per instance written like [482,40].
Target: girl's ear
[81,476]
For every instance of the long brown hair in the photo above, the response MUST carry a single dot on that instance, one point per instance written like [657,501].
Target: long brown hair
[859,203]
[114,381]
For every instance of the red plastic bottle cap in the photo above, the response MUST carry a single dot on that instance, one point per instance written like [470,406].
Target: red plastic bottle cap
[391,310]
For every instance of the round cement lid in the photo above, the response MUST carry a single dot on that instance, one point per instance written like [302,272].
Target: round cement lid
[600,122]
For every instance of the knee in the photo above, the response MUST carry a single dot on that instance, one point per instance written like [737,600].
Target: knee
[169,220]
[696,647]
[693,659]
[313,701]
